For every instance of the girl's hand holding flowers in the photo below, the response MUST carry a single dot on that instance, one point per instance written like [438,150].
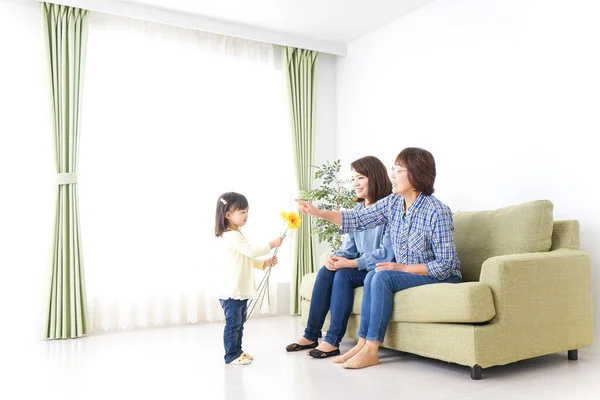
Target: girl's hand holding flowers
[293,222]
[270,262]
[276,243]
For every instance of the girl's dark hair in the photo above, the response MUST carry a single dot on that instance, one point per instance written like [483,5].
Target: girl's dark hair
[420,166]
[229,201]
[379,185]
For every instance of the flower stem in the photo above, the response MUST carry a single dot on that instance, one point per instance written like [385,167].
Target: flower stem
[283,237]
[263,286]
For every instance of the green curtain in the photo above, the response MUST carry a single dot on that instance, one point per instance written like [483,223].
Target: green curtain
[300,72]
[65,33]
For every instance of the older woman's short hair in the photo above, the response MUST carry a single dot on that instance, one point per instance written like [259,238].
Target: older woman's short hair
[420,166]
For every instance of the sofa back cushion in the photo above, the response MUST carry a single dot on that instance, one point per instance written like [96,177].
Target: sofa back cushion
[565,235]
[479,235]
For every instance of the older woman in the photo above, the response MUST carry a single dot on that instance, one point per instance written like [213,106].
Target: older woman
[422,233]
[347,268]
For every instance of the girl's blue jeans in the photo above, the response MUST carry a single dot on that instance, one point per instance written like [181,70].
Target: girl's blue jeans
[235,316]
[378,299]
[333,291]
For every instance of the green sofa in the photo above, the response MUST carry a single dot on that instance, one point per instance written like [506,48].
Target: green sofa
[527,293]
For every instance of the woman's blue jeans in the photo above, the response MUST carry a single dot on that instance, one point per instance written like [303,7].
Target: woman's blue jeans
[333,291]
[378,299]
[235,316]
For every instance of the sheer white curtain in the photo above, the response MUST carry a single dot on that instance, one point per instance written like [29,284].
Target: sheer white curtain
[171,119]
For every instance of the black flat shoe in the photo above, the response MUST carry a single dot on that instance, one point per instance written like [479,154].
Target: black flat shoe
[298,347]
[316,353]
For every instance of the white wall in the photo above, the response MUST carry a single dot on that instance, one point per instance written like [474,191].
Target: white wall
[27,195]
[325,130]
[505,93]
[26,169]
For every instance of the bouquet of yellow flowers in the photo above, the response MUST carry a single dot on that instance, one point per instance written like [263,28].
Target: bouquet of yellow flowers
[293,221]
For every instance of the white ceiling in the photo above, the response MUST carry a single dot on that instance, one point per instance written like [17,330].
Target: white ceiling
[336,21]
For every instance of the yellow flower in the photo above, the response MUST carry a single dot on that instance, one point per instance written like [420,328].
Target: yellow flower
[293,220]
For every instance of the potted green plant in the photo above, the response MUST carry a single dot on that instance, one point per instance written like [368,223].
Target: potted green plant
[334,193]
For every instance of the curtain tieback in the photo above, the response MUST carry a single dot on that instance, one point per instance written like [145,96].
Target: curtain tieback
[66,178]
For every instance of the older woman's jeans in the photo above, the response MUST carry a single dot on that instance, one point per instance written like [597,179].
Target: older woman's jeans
[333,291]
[235,316]
[378,299]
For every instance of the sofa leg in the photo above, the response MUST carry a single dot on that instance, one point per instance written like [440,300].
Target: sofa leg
[573,354]
[476,371]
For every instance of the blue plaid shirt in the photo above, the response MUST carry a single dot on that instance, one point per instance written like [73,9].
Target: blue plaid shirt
[424,236]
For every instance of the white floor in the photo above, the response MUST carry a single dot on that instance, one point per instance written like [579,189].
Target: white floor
[186,362]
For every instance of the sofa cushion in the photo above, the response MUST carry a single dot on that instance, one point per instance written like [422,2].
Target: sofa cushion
[468,302]
[479,235]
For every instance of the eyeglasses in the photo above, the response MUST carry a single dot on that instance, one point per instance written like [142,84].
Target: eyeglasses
[396,169]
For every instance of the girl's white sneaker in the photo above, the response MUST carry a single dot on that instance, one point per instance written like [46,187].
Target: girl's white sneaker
[241,360]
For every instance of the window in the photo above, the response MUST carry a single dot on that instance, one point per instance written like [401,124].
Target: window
[171,118]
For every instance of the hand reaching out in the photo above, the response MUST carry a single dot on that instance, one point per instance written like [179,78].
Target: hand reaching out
[329,215]
[276,243]
[307,208]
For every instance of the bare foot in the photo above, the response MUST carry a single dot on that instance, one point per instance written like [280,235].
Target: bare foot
[326,347]
[367,357]
[350,353]
[304,341]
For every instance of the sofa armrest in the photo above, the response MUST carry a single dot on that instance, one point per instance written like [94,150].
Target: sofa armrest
[306,287]
[541,290]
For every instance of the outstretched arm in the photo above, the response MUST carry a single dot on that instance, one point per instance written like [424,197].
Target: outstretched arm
[354,220]
[331,216]
[238,243]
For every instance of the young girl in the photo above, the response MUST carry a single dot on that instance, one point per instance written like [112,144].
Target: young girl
[238,258]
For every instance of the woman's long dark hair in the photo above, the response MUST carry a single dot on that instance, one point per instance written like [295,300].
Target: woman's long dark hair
[379,185]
